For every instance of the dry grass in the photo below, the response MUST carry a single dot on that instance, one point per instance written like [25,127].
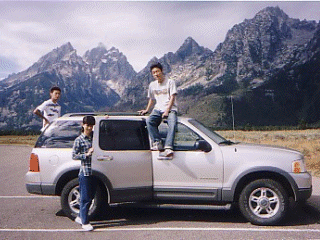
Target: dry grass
[19,140]
[305,141]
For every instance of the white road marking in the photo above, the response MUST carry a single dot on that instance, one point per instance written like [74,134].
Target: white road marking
[40,230]
[26,197]
[268,229]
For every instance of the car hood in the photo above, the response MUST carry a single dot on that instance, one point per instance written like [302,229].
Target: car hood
[257,151]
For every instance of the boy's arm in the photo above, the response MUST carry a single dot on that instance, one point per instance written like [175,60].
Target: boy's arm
[171,102]
[173,93]
[149,106]
[38,113]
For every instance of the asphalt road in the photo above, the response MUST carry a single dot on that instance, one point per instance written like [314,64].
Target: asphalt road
[26,216]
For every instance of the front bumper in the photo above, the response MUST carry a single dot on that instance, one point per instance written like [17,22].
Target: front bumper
[303,186]
[303,194]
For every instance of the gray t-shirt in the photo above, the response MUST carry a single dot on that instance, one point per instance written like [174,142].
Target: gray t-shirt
[162,93]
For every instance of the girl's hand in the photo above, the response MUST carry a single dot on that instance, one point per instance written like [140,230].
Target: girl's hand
[90,151]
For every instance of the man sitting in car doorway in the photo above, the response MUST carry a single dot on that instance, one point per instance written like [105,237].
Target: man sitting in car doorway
[162,92]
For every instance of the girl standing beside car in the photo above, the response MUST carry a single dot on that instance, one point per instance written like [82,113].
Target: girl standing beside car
[82,150]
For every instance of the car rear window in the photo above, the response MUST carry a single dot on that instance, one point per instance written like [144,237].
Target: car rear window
[123,135]
[60,134]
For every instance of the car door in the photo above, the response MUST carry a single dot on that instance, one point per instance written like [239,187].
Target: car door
[191,174]
[122,154]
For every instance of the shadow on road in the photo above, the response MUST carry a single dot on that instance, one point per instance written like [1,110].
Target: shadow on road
[121,216]
[303,214]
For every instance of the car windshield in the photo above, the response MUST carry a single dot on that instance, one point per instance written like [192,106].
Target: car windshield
[60,134]
[213,135]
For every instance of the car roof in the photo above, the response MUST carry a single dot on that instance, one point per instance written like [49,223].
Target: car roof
[82,114]
[114,115]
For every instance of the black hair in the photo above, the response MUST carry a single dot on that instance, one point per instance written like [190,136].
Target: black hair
[156,65]
[55,88]
[89,120]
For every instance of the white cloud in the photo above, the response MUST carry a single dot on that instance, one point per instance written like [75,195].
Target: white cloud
[7,66]
[141,30]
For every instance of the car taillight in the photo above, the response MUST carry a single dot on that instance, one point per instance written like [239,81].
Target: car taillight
[34,163]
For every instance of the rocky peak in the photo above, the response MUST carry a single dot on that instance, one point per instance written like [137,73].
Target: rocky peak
[100,55]
[67,47]
[110,68]
[270,12]
[274,21]
[152,61]
[259,46]
[58,54]
[114,55]
[189,47]
[95,55]
[271,21]
[63,55]
[190,43]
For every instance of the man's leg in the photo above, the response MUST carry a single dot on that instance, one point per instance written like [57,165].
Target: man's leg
[172,122]
[153,122]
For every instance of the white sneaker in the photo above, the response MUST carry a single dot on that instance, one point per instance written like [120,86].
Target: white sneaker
[87,227]
[167,153]
[78,220]
[157,146]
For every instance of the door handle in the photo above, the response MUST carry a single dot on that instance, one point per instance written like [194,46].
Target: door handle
[104,158]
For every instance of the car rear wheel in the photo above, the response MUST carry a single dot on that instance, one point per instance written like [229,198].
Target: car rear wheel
[70,200]
[264,202]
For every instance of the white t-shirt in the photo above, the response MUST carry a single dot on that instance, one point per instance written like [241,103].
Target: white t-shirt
[162,93]
[50,110]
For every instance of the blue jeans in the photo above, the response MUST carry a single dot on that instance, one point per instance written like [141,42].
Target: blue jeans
[87,187]
[153,122]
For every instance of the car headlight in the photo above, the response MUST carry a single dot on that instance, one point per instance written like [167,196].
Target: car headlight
[298,166]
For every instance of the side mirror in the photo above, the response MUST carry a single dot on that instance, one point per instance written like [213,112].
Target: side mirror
[203,146]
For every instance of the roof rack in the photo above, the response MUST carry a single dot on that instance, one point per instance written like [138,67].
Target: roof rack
[100,114]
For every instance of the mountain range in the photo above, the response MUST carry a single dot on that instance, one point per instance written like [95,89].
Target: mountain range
[266,71]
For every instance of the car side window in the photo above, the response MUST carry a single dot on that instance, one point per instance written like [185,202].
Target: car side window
[185,138]
[123,135]
[60,134]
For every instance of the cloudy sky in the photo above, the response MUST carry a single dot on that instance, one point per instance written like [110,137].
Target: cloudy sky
[140,30]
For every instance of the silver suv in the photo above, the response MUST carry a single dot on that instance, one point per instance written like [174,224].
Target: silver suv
[206,169]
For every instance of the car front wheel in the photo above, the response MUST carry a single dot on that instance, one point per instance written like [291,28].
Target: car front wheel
[70,200]
[264,202]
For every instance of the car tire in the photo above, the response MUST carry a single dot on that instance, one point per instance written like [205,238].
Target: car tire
[264,202]
[70,200]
